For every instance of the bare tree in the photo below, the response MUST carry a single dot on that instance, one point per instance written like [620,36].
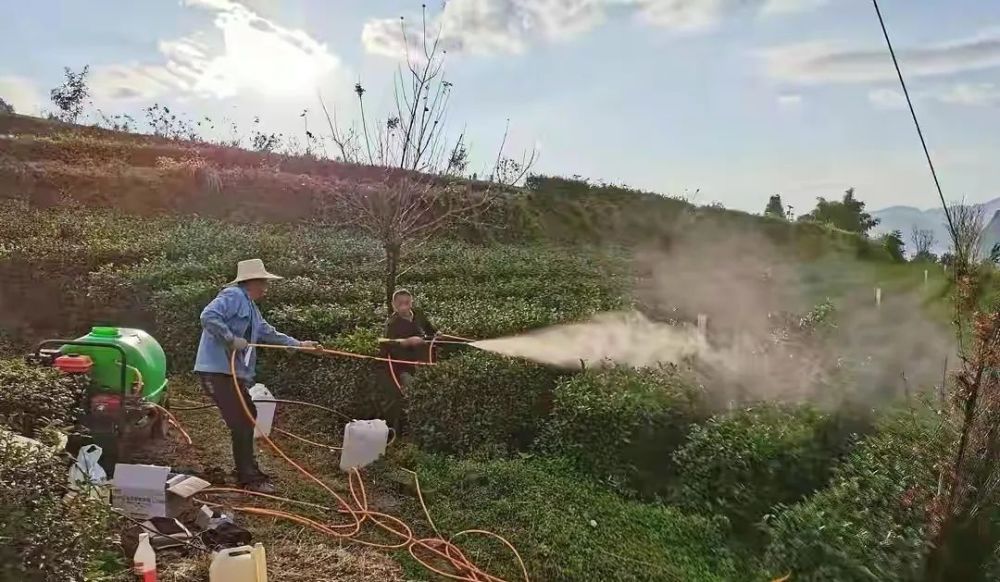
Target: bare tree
[508,171]
[965,530]
[923,240]
[413,135]
[403,212]
[969,222]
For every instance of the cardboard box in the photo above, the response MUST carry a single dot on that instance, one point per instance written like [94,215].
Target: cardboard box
[139,491]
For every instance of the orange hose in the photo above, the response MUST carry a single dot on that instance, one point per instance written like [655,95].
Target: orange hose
[467,571]
[307,441]
[173,420]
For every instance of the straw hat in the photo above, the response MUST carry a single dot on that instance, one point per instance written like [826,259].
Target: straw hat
[251,269]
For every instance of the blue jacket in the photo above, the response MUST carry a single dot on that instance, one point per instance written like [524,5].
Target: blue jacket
[232,314]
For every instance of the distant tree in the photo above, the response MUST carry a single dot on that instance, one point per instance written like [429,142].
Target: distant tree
[947,259]
[6,108]
[404,212]
[71,95]
[969,223]
[893,243]
[847,214]
[922,240]
[774,207]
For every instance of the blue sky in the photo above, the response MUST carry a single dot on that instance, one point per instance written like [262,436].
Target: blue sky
[738,99]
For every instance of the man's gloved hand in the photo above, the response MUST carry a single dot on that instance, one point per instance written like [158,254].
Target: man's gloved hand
[311,345]
[239,344]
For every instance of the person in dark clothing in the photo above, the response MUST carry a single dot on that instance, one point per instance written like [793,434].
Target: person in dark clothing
[409,331]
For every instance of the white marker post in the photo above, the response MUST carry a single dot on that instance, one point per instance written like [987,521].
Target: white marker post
[878,297]
[925,279]
[702,326]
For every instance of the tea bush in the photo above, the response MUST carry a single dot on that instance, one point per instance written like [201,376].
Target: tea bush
[742,463]
[36,397]
[478,400]
[566,528]
[622,425]
[871,522]
[45,535]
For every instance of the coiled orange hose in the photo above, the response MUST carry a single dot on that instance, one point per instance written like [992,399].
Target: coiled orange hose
[464,569]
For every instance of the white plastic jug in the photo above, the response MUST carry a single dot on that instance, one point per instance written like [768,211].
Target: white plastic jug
[242,564]
[364,442]
[265,410]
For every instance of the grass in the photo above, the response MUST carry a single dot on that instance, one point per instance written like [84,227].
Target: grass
[294,553]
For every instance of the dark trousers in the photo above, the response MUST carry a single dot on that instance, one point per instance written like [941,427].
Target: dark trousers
[219,387]
[390,403]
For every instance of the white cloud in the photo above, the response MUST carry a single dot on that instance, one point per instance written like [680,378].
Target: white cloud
[790,6]
[960,94]
[22,94]
[887,99]
[790,100]
[971,94]
[512,26]
[242,53]
[828,62]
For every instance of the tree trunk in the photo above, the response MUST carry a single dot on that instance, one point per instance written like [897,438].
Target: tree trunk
[391,271]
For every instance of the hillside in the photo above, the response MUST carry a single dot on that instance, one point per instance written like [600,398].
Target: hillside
[906,218]
[673,472]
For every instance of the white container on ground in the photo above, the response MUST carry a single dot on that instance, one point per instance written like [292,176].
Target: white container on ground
[364,442]
[242,564]
[265,410]
[144,560]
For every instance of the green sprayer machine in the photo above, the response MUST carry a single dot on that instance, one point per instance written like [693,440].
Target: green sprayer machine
[126,377]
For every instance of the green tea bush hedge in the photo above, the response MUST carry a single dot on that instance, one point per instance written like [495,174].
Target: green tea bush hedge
[43,535]
[566,528]
[622,425]
[346,385]
[36,397]
[742,463]
[478,400]
[871,522]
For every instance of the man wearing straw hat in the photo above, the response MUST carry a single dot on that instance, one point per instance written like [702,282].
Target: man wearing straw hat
[231,323]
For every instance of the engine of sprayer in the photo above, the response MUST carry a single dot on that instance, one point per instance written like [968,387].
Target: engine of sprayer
[125,371]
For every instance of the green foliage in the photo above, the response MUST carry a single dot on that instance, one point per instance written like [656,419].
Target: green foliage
[35,397]
[46,536]
[893,243]
[479,401]
[848,214]
[565,528]
[871,522]
[71,96]
[622,425]
[741,464]
[774,207]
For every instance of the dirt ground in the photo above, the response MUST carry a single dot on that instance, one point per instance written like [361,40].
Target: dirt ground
[294,553]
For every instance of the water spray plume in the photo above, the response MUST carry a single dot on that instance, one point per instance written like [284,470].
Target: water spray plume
[620,338]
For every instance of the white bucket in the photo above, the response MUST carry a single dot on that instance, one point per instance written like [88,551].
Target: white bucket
[242,564]
[364,442]
[265,410]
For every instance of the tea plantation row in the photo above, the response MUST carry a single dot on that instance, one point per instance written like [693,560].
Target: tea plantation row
[615,474]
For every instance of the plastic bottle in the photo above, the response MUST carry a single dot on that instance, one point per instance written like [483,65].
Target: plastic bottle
[364,442]
[145,560]
[242,564]
[265,410]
